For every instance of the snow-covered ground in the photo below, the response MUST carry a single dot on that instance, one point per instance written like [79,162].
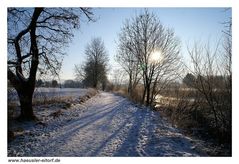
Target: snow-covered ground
[46,93]
[105,125]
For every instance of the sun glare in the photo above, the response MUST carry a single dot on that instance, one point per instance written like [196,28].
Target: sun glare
[156,56]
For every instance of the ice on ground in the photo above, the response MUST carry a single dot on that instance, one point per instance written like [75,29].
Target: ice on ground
[105,125]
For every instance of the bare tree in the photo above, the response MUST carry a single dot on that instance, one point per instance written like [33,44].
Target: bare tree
[79,72]
[117,78]
[146,47]
[36,37]
[94,71]
[204,69]
[127,56]
[211,78]
[212,83]
[54,83]
[227,54]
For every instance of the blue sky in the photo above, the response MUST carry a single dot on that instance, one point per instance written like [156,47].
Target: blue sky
[190,24]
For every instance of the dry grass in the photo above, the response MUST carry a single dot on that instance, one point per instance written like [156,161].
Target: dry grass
[65,101]
[190,112]
[90,93]
[136,96]
[61,102]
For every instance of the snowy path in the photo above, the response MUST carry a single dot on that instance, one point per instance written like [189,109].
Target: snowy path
[113,126]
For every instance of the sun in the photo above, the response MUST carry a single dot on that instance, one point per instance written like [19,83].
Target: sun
[156,56]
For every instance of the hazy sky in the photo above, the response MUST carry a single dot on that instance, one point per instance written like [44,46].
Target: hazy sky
[190,24]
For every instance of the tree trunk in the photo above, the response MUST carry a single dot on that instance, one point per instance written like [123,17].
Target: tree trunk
[95,84]
[144,93]
[143,97]
[25,99]
[130,86]
[25,86]
[148,95]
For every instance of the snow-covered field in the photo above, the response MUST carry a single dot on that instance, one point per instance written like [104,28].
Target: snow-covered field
[46,93]
[105,125]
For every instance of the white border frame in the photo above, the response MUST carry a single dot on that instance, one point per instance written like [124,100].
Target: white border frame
[121,3]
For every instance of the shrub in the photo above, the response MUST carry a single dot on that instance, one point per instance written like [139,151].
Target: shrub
[191,112]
